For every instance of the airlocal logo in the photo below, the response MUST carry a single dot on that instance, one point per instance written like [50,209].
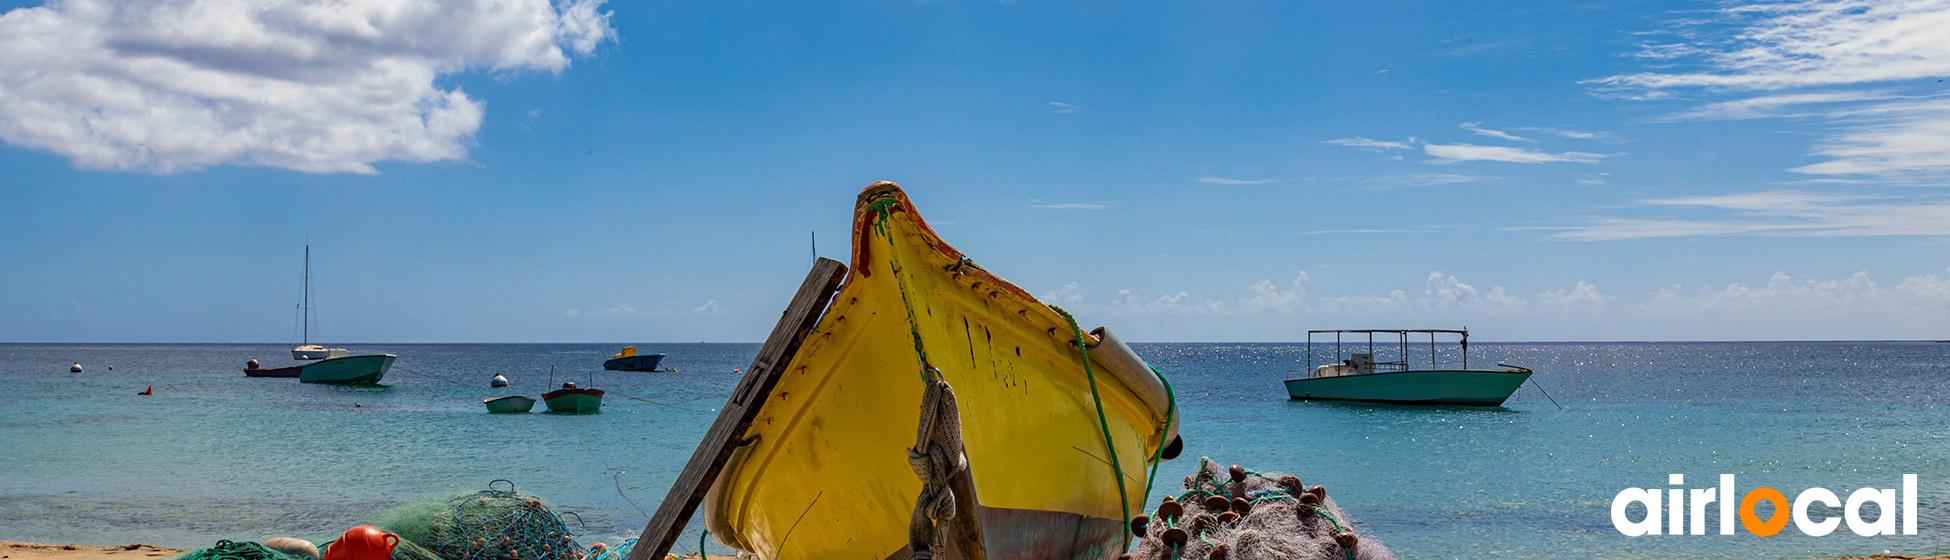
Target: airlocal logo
[1677,501]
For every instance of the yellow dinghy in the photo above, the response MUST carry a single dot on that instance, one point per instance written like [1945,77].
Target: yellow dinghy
[825,472]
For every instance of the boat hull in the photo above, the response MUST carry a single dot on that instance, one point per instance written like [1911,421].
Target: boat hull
[349,370]
[291,371]
[509,404]
[574,401]
[825,473]
[1432,387]
[640,362]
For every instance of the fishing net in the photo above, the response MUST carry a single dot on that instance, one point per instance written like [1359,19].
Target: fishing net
[1237,514]
[494,524]
[232,550]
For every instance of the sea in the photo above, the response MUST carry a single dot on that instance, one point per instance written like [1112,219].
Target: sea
[214,455]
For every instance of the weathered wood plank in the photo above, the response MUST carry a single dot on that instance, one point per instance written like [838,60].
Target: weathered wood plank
[739,411]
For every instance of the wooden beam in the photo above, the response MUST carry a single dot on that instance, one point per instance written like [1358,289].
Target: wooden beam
[739,411]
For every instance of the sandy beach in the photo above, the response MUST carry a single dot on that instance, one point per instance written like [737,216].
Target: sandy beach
[11,550]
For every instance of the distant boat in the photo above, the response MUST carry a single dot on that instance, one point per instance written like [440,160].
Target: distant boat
[508,404]
[253,371]
[1360,378]
[629,360]
[574,400]
[76,368]
[349,370]
[305,349]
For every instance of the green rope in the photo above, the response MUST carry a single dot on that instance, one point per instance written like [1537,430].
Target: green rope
[1171,408]
[1103,422]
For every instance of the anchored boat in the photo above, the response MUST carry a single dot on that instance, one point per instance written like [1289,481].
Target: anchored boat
[1360,378]
[305,350]
[574,400]
[1058,426]
[629,360]
[509,404]
[348,370]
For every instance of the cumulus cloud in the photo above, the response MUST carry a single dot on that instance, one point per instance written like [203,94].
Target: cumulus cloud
[166,87]
[1843,61]
[1453,153]
[1856,294]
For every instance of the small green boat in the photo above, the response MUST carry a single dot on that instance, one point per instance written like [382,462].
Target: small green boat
[1361,378]
[573,400]
[509,404]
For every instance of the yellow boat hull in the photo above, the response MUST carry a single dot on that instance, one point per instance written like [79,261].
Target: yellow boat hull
[825,474]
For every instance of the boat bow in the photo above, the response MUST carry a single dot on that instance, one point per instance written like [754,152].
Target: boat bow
[824,472]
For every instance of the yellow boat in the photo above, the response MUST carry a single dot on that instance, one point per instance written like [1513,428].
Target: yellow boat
[825,470]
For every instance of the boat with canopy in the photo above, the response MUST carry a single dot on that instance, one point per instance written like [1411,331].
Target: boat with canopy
[1444,380]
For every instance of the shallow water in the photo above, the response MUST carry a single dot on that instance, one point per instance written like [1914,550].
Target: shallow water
[217,455]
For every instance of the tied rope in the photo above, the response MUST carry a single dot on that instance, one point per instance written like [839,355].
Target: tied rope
[1103,423]
[936,456]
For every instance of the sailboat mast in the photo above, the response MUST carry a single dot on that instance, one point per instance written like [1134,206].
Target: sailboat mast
[306,304]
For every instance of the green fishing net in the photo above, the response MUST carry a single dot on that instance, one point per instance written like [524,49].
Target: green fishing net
[1238,514]
[232,550]
[494,524]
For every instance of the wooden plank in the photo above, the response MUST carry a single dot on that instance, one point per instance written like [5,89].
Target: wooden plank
[739,411]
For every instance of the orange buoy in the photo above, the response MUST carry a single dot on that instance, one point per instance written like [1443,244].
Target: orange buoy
[149,391]
[364,542]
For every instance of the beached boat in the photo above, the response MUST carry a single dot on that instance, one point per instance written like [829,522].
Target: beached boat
[1360,378]
[511,403]
[349,370]
[824,471]
[574,400]
[629,360]
[305,350]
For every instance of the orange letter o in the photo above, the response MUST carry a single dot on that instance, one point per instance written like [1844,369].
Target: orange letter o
[1775,522]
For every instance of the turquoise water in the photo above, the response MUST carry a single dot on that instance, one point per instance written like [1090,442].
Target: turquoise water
[217,455]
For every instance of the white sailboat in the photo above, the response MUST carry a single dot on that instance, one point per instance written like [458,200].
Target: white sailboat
[305,349]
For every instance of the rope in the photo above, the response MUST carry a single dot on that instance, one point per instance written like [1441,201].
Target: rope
[1171,408]
[1103,423]
[936,456]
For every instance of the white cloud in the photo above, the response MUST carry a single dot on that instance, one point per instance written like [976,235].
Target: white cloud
[1062,108]
[1225,181]
[1782,295]
[1421,180]
[1452,153]
[1371,144]
[1778,214]
[1477,128]
[1072,206]
[317,87]
[1842,61]
[1802,43]
[710,307]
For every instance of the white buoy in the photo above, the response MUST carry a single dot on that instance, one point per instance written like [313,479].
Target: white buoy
[498,381]
[76,368]
[296,547]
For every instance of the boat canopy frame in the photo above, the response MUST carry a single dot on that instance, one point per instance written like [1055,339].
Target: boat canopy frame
[1401,343]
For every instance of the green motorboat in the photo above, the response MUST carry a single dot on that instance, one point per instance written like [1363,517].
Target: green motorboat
[1360,378]
[349,370]
[509,404]
[574,400]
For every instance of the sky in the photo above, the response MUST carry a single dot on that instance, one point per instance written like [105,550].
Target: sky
[582,171]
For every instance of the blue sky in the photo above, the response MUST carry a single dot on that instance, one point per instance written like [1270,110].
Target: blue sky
[637,172]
